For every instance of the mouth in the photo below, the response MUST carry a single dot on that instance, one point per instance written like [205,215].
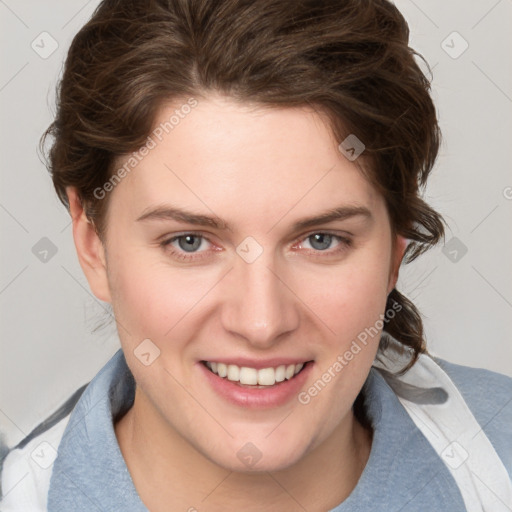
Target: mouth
[262,378]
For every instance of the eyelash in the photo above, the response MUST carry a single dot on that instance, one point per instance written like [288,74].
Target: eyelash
[344,244]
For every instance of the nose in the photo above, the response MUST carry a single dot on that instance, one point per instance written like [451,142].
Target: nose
[258,307]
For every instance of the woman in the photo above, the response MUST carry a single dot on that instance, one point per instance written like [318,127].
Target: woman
[244,182]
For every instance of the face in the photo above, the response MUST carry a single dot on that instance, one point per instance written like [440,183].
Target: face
[245,242]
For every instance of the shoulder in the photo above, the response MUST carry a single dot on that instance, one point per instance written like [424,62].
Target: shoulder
[25,469]
[488,394]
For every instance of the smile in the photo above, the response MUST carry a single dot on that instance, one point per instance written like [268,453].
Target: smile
[247,376]
[256,384]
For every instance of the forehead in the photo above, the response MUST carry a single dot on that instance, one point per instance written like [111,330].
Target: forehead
[221,155]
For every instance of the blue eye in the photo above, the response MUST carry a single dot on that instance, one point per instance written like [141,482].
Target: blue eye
[187,246]
[194,247]
[320,241]
[189,243]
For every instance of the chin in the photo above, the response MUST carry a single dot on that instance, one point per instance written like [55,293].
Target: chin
[258,455]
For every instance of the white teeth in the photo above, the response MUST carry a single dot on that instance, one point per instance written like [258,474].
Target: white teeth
[266,377]
[233,372]
[222,369]
[251,376]
[248,376]
[280,373]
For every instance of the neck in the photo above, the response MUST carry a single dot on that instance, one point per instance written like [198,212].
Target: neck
[169,473]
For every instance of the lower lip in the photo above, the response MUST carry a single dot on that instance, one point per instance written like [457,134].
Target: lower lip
[257,398]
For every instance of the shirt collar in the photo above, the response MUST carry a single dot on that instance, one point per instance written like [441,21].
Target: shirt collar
[90,470]
[402,462]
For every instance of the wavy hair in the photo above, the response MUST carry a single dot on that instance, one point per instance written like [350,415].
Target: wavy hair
[350,59]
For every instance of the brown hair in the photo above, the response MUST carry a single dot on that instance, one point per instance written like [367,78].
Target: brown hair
[349,59]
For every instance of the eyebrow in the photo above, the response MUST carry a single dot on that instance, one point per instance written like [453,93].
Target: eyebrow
[167,212]
[339,213]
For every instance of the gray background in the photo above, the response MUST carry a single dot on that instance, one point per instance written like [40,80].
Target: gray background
[47,311]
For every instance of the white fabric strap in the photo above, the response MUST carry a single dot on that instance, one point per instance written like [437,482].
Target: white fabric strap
[453,432]
[27,471]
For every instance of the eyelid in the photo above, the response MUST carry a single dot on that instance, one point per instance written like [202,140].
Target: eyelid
[167,238]
[343,235]
[165,242]
[213,246]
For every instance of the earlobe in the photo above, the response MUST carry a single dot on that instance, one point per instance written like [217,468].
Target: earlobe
[89,248]
[400,247]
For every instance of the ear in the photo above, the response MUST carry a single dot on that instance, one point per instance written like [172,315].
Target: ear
[90,250]
[399,247]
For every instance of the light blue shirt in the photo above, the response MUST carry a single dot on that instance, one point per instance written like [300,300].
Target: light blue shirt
[403,474]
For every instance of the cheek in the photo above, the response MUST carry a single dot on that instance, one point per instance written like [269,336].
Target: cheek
[350,301]
[350,297]
[151,299]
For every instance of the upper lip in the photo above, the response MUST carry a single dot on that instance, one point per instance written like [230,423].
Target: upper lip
[259,364]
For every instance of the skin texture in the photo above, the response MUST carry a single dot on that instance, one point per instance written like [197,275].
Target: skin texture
[260,170]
